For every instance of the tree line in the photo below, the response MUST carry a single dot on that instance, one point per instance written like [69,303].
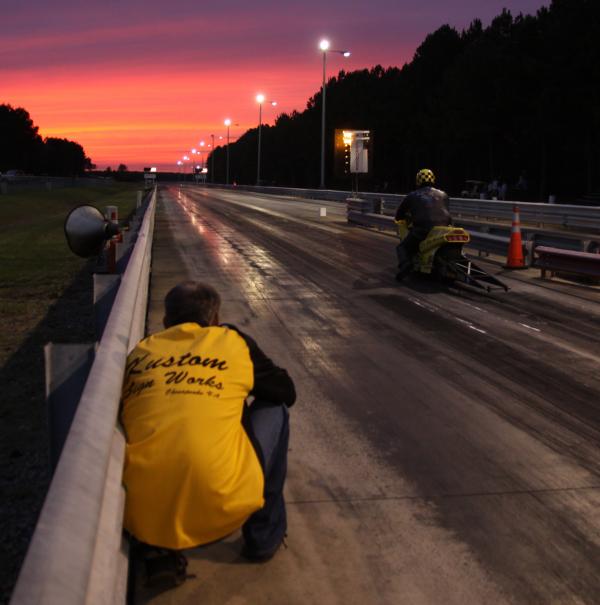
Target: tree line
[517,99]
[24,149]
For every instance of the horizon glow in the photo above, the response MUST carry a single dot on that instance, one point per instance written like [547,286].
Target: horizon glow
[140,83]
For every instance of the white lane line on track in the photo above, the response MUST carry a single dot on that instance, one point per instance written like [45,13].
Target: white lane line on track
[473,306]
[530,327]
[470,325]
[424,305]
[434,310]
[507,321]
[477,329]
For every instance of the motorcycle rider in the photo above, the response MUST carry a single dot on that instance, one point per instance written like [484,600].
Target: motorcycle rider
[422,209]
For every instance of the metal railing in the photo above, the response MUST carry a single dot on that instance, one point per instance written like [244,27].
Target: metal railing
[556,260]
[556,215]
[483,242]
[77,554]
[563,215]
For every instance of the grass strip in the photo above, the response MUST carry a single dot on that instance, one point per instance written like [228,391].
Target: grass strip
[35,262]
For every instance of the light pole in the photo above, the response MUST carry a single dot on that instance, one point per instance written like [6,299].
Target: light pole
[260,98]
[202,144]
[212,155]
[227,123]
[324,46]
[194,152]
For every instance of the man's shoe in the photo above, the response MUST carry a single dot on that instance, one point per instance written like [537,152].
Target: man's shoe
[260,556]
[165,569]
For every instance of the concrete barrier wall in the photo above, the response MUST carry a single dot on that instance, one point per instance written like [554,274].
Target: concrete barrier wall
[77,554]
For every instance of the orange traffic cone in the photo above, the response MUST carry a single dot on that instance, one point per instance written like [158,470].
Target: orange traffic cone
[515,259]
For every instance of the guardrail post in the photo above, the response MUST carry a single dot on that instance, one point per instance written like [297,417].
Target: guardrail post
[67,367]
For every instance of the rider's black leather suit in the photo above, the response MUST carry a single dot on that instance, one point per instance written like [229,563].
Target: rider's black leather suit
[422,209]
[425,208]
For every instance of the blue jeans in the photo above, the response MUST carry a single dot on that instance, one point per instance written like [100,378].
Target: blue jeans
[269,430]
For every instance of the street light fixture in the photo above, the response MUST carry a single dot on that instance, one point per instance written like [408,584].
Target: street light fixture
[227,123]
[260,99]
[202,150]
[324,45]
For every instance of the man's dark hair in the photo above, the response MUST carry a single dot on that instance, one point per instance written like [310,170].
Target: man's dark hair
[191,301]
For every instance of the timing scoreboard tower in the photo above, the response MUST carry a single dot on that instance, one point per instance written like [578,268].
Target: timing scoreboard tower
[353,154]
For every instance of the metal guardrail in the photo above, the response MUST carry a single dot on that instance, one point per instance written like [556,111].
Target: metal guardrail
[483,242]
[557,215]
[370,219]
[77,554]
[488,243]
[563,215]
[557,260]
[548,258]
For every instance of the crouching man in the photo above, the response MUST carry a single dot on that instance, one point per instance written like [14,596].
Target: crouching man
[201,461]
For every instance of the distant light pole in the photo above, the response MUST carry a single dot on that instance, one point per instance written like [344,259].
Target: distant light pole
[260,99]
[194,152]
[212,155]
[324,46]
[202,150]
[227,123]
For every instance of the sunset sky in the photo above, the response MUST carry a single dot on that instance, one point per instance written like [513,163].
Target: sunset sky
[141,82]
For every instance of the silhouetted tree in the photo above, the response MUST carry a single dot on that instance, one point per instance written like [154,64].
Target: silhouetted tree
[64,157]
[522,94]
[21,146]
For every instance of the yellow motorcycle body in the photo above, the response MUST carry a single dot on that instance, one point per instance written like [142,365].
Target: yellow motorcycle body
[441,253]
[438,236]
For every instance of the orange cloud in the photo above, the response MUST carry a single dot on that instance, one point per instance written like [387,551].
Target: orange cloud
[152,116]
[147,90]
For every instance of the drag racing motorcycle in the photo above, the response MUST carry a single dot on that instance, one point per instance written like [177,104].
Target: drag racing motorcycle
[440,254]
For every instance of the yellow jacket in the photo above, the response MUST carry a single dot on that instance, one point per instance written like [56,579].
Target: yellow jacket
[191,473]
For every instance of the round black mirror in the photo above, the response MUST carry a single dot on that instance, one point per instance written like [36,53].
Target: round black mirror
[87,230]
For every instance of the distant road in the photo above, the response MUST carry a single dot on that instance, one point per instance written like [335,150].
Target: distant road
[444,445]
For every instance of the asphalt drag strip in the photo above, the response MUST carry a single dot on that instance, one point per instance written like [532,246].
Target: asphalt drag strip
[444,444]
